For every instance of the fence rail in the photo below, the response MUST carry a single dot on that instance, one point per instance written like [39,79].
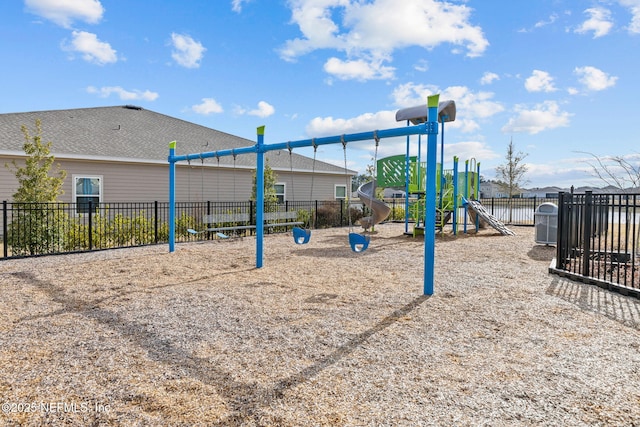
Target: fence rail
[34,229]
[599,240]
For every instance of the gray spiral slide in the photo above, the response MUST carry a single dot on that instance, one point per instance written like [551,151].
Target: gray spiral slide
[379,209]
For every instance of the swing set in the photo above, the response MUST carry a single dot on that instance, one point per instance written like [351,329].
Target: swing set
[357,241]
[226,218]
[301,236]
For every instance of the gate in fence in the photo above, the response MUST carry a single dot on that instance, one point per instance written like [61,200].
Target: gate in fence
[599,240]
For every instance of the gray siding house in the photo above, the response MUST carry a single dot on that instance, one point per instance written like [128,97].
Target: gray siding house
[119,154]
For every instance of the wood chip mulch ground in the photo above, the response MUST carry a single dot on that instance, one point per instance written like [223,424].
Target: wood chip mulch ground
[320,336]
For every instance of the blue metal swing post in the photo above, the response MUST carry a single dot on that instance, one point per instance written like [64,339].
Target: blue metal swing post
[430,195]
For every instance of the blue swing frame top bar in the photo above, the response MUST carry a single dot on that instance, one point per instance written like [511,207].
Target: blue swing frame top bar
[429,128]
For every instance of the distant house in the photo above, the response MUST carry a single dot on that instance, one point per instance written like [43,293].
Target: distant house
[491,189]
[545,192]
[119,154]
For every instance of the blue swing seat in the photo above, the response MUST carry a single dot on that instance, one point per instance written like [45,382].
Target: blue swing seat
[359,242]
[300,235]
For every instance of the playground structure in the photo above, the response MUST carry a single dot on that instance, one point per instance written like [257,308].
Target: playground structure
[379,209]
[452,189]
[429,127]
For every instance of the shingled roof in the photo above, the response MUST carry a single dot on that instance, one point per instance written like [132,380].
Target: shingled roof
[134,134]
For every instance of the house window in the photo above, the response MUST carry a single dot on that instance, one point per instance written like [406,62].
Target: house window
[341,192]
[280,190]
[87,189]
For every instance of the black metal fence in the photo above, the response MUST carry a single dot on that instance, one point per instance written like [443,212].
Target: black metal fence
[33,229]
[515,211]
[599,239]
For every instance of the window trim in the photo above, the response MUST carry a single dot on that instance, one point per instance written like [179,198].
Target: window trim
[75,194]
[284,191]
[335,191]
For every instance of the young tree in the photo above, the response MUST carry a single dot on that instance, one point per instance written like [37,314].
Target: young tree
[35,185]
[270,179]
[36,227]
[511,174]
[618,171]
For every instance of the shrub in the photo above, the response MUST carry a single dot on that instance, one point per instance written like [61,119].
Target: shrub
[37,231]
[328,215]
[397,213]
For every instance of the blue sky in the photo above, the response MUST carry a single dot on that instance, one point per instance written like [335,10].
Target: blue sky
[559,78]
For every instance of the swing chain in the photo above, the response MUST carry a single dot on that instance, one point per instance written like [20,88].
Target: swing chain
[347,181]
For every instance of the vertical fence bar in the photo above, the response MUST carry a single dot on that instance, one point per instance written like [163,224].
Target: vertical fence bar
[5,230]
[561,241]
[586,233]
[90,228]
[634,243]
[155,221]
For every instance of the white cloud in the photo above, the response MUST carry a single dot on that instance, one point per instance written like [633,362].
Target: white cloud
[422,65]
[468,150]
[91,49]
[186,51]
[236,5]
[64,12]
[599,22]
[371,31]
[123,94]
[540,81]
[594,79]
[326,126]
[264,110]
[561,173]
[207,106]
[488,78]
[634,9]
[358,69]
[542,117]
[329,126]
[552,18]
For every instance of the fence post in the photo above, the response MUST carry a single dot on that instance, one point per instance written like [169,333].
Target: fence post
[252,217]
[315,214]
[5,230]
[560,232]
[155,223]
[586,232]
[209,234]
[90,237]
